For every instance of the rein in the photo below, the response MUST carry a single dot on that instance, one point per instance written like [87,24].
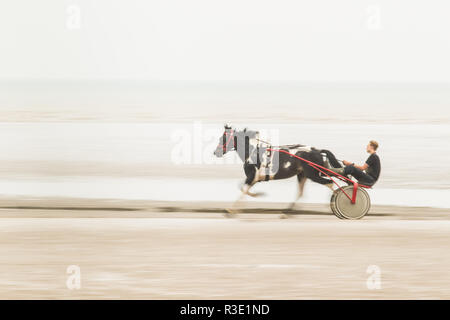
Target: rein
[321,168]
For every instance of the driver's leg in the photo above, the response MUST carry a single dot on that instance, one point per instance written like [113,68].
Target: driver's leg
[359,175]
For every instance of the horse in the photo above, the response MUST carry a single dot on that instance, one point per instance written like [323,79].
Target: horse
[261,163]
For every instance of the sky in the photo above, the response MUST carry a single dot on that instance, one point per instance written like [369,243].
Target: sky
[233,40]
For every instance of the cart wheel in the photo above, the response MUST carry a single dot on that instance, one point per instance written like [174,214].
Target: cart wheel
[333,205]
[343,208]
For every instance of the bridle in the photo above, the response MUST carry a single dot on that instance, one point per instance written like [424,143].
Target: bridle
[225,143]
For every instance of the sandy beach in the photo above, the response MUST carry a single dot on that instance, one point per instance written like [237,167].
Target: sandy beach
[176,250]
[128,192]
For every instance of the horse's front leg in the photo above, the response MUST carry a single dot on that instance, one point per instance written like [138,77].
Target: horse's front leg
[251,172]
[245,190]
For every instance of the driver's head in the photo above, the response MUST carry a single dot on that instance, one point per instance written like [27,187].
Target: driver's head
[372,146]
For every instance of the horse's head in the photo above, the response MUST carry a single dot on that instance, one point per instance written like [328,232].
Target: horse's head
[242,141]
[227,142]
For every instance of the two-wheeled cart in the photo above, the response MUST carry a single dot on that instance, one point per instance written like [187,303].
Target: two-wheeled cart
[347,202]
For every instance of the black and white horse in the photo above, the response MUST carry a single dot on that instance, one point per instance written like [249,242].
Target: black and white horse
[263,164]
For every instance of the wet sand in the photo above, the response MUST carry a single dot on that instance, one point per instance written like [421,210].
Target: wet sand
[175,250]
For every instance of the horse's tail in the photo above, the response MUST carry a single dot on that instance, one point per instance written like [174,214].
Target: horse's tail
[310,171]
[330,156]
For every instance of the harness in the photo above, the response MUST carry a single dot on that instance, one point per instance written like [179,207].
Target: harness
[324,171]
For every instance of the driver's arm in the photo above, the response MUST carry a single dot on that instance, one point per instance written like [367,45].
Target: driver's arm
[363,167]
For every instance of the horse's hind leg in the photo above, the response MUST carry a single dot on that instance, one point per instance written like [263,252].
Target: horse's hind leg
[301,184]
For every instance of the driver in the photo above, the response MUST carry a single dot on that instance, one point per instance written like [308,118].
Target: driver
[372,167]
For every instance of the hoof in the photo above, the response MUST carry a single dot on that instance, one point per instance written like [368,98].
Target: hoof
[288,211]
[256,194]
[229,213]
